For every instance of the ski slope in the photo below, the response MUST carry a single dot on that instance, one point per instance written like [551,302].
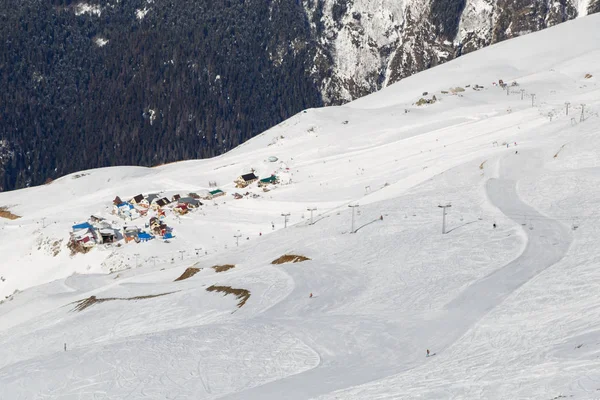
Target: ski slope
[510,312]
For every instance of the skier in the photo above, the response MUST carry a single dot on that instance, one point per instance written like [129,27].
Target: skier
[494,225]
[310,296]
[427,352]
[65,347]
[381,217]
[273,226]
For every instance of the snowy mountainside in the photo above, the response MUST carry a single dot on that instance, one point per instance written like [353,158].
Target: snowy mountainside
[506,298]
[247,65]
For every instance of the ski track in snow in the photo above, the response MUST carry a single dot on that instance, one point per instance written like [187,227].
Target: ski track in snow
[546,245]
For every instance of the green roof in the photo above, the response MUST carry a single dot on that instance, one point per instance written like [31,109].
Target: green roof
[216,191]
[270,179]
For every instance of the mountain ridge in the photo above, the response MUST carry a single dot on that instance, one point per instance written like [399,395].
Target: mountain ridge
[150,82]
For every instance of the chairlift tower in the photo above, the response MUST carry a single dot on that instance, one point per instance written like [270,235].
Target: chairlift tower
[285,219]
[444,217]
[311,214]
[353,206]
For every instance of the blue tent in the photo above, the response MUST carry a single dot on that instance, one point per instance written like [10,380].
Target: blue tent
[144,237]
[84,225]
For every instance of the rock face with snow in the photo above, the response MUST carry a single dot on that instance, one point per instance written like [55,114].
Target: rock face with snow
[594,7]
[366,45]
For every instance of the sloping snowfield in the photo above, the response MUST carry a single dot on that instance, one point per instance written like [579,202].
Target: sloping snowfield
[509,311]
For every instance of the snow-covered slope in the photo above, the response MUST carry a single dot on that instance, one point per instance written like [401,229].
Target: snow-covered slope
[509,311]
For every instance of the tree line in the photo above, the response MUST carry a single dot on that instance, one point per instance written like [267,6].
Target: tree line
[188,80]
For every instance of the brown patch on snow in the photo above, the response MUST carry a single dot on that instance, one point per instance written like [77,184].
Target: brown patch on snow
[223,268]
[559,150]
[90,301]
[188,273]
[4,213]
[290,258]
[242,294]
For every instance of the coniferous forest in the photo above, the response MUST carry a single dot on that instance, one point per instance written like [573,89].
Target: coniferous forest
[94,83]
[186,80]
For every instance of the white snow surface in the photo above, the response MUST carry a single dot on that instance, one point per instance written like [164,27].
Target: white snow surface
[141,13]
[582,7]
[100,41]
[477,18]
[85,8]
[511,312]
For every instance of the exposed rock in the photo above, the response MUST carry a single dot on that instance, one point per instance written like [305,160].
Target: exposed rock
[422,101]
[365,45]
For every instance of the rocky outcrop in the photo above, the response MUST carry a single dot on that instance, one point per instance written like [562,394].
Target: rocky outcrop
[366,45]
[355,40]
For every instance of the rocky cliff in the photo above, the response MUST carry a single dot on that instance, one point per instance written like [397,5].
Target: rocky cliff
[365,45]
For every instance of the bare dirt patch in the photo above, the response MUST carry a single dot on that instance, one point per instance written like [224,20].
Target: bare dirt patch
[4,213]
[56,247]
[242,294]
[77,247]
[188,273]
[90,301]
[290,258]
[559,150]
[223,268]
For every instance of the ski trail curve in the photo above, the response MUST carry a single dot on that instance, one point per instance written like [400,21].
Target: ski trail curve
[547,243]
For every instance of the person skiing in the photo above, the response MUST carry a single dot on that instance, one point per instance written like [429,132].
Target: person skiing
[381,217]
[494,225]
[427,352]
[310,296]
